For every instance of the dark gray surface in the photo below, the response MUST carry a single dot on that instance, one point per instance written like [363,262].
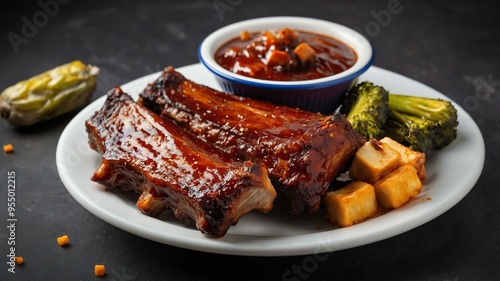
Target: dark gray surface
[452,47]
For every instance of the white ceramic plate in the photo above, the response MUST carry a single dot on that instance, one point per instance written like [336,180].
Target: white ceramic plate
[276,233]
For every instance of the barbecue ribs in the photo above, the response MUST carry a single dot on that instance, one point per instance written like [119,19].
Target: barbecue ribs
[170,168]
[303,151]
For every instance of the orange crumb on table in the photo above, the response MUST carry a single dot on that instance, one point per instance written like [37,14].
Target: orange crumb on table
[99,270]
[63,240]
[8,148]
[19,260]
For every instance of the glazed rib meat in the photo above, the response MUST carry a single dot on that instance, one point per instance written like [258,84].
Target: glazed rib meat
[170,168]
[303,151]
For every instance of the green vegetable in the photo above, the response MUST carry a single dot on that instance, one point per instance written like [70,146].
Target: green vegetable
[50,94]
[423,124]
[366,106]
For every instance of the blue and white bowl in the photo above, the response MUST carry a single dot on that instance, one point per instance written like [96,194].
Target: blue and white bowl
[322,95]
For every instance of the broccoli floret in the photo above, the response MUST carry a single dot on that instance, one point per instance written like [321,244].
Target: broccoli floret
[365,107]
[423,124]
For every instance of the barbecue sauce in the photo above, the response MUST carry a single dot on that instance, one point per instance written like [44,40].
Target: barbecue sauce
[285,55]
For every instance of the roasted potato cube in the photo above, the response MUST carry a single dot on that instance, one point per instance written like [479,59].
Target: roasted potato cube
[408,156]
[351,204]
[305,53]
[373,161]
[398,187]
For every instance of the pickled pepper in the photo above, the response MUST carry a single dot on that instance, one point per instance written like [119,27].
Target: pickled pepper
[49,94]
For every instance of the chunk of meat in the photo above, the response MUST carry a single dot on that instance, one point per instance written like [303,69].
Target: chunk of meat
[170,168]
[305,53]
[303,151]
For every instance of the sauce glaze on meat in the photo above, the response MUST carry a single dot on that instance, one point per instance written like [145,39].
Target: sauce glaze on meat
[170,168]
[303,151]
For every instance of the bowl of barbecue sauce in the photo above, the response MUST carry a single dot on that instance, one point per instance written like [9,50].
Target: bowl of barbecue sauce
[299,62]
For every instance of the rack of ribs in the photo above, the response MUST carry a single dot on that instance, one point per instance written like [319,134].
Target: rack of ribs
[303,151]
[171,169]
